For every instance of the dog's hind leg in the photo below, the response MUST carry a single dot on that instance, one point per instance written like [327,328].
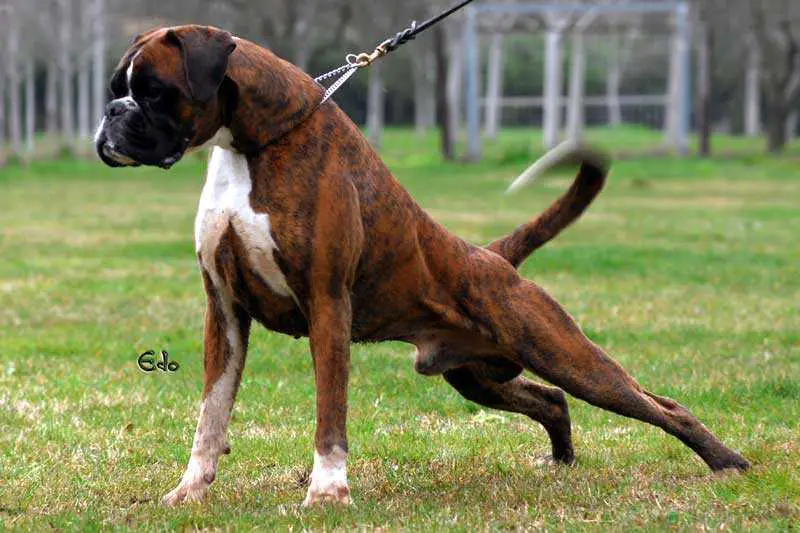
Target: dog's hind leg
[227,332]
[546,405]
[548,342]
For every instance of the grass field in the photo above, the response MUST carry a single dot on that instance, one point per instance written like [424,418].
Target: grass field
[687,271]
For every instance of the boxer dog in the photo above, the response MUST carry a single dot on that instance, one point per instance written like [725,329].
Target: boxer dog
[303,229]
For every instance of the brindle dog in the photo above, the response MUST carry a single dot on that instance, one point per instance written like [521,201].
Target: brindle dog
[302,228]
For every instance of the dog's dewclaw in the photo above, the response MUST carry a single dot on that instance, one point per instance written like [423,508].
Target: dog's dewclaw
[569,151]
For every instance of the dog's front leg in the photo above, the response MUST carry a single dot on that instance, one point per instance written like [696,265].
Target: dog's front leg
[227,331]
[330,348]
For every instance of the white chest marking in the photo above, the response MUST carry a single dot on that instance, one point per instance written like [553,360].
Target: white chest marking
[225,202]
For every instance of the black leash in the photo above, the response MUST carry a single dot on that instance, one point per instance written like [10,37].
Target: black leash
[410,33]
[363,60]
[355,62]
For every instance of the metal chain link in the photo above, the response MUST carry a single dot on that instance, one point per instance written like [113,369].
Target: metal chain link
[329,92]
[363,60]
[347,72]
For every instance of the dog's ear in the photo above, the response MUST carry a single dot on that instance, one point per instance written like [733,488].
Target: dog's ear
[205,52]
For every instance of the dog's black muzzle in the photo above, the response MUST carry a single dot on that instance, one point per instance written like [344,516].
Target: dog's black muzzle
[129,137]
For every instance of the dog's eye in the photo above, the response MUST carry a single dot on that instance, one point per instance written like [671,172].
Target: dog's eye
[151,93]
[155,96]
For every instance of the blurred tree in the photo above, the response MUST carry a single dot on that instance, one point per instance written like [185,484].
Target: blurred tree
[65,67]
[99,57]
[776,28]
[706,15]
[292,28]
[447,135]
[5,16]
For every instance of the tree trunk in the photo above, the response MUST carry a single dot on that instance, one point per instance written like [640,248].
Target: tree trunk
[376,106]
[705,68]
[776,127]
[552,88]
[83,98]
[14,101]
[30,105]
[577,86]
[302,53]
[423,66]
[99,95]
[455,83]
[51,98]
[752,92]
[65,68]
[791,125]
[3,82]
[84,67]
[420,93]
[494,87]
[442,107]
[302,41]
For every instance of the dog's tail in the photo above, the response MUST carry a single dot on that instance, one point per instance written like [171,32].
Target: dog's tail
[528,238]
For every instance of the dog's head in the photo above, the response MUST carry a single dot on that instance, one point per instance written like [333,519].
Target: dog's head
[166,96]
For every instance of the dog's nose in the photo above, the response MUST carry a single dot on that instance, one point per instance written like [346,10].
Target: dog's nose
[119,106]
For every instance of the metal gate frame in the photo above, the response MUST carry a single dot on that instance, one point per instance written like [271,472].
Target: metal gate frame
[678,8]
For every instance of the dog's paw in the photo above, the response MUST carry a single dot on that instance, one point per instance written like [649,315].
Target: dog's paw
[731,462]
[551,460]
[545,460]
[336,492]
[193,486]
[185,493]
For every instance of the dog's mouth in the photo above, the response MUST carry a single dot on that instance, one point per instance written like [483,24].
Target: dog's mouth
[113,157]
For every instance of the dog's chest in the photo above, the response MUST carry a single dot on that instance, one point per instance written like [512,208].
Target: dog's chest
[225,205]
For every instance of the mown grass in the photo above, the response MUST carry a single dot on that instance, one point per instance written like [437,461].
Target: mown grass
[687,271]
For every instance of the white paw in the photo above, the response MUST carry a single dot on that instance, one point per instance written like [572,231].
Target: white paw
[336,493]
[545,460]
[329,479]
[194,485]
[185,493]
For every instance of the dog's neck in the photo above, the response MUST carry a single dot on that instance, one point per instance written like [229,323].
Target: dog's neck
[262,85]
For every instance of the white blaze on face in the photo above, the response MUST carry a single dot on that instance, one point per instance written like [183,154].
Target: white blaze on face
[128,100]
[129,72]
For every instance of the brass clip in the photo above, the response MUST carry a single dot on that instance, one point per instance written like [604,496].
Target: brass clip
[364,59]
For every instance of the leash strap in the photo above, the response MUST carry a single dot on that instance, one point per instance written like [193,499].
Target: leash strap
[363,60]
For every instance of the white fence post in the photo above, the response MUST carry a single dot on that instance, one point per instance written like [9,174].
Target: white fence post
[494,86]
[552,86]
[577,82]
[473,80]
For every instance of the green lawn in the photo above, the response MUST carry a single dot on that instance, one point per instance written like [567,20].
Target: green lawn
[687,271]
